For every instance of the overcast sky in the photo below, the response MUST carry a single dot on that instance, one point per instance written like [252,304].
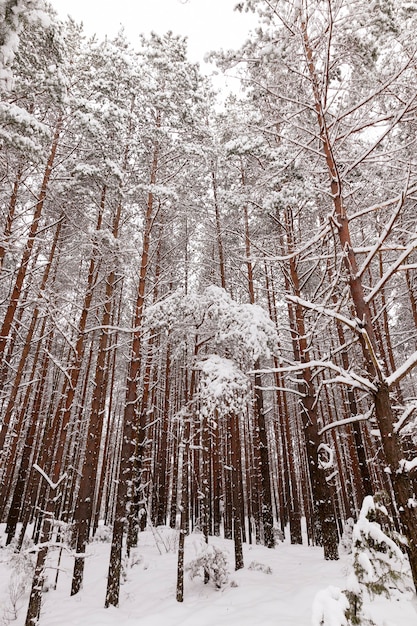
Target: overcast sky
[208,24]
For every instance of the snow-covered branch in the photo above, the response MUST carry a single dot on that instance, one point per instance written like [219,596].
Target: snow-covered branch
[52,485]
[284,389]
[325,464]
[377,142]
[286,257]
[347,377]
[402,371]
[352,324]
[407,466]
[348,420]
[386,231]
[14,14]
[390,271]
[404,417]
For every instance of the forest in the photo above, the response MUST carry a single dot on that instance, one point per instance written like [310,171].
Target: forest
[208,310]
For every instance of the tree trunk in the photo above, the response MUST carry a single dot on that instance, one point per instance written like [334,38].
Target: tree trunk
[24,263]
[383,407]
[130,434]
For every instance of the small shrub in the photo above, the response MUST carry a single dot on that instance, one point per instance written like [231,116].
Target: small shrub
[22,566]
[378,567]
[212,565]
[166,539]
[347,540]
[329,608]
[260,567]
[103,534]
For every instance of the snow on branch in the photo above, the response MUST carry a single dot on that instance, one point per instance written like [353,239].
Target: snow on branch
[386,231]
[354,325]
[14,15]
[402,371]
[52,485]
[325,464]
[378,207]
[390,271]
[306,246]
[346,377]
[347,420]
[407,466]
[404,417]
[244,331]
[276,388]
[223,386]
[388,129]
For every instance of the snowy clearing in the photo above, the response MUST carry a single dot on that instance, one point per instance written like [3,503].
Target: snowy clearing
[283,597]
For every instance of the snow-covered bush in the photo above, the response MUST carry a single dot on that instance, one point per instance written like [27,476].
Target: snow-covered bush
[260,567]
[103,533]
[378,567]
[22,566]
[347,536]
[279,535]
[329,608]
[166,539]
[211,563]
[378,564]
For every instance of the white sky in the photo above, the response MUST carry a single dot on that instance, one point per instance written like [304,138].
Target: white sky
[208,24]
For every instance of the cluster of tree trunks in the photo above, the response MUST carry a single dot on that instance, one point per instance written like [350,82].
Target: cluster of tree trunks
[112,220]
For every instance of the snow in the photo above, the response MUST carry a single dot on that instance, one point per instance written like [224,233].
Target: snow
[364,527]
[404,417]
[325,463]
[329,607]
[29,11]
[244,331]
[221,379]
[402,371]
[407,466]
[253,596]
[52,485]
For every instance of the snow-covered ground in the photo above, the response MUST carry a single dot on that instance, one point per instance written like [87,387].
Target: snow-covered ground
[252,597]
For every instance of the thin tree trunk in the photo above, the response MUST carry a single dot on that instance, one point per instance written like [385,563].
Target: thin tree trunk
[266,496]
[33,230]
[84,509]
[10,216]
[326,527]
[28,342]
[128,462]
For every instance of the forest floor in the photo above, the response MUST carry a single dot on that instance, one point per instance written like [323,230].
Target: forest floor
[255,596]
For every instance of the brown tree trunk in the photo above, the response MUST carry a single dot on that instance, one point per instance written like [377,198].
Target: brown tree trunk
[10,216]
[236,465]
[28,342]
[266,496]
[383,408]
[130,434]
[85,503]
[218,231]
[326,527]
[21,274]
